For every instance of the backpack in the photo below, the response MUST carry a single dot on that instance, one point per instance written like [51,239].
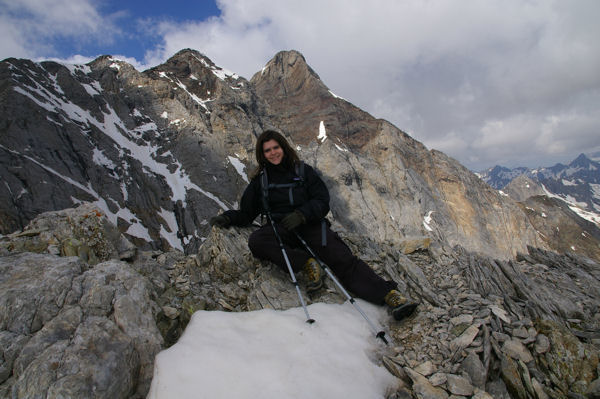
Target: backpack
[265,185]
[298,182]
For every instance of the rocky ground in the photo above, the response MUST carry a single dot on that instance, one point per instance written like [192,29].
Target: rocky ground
[79,307]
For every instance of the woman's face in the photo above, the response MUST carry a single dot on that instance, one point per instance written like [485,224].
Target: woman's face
[273,152]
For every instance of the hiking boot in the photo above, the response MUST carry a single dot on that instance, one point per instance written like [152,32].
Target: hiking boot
[401,306]
[314,273]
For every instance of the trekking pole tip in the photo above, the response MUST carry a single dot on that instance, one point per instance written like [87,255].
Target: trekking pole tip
[381,335]
[310,321]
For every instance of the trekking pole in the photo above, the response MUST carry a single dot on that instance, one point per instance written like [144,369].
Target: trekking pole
[289,266]
[378,334]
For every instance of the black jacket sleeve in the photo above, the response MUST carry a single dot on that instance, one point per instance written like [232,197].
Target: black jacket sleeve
[250,205]
[317,206]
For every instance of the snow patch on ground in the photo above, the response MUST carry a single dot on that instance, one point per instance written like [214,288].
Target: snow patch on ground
[275,354]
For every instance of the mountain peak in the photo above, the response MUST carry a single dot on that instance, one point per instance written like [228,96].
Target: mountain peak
[189,66]
[582,161]
[288,72]
[303,106]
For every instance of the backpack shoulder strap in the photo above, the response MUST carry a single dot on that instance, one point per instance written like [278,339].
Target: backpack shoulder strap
[299,169]
[264,186]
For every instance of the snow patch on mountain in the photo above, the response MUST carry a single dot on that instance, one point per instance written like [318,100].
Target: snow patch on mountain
[322,133]
[239,167]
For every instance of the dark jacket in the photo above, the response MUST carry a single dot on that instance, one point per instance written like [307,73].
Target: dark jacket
[312,198]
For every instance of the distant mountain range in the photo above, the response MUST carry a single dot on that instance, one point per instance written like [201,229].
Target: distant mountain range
[577,183]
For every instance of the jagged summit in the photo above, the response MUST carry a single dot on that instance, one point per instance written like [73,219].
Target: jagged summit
[303,106]
[582,161]
[291,71]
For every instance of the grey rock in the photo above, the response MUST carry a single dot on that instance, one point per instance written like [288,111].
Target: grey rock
[593,390]
[92,332]
[423,388]
[459,385]
[438,379]
[475,369]
[497,389]
[516,350]
[539,389]
[462,319]
[479,394]
[512,378]
[542,344]
[465,339]
[425,369]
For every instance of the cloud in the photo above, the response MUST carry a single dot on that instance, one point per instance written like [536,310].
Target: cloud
[35,28]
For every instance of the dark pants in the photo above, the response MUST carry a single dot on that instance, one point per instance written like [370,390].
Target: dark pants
[353,273]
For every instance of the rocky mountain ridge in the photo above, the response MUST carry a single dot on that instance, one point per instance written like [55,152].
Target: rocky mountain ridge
[577,183]
[161,151]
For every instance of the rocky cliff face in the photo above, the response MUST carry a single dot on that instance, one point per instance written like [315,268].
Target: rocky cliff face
[156,151]
[163,150]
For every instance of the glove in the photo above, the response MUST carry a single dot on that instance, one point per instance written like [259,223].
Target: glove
[219,221]
[293,220]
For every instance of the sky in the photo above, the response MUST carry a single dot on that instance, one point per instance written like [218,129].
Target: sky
[272,354]
[496,82]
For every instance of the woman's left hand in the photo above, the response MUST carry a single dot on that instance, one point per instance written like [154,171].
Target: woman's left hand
[293,220]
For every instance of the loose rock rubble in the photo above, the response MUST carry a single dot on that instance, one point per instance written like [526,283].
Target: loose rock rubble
[526,328]
[507,342]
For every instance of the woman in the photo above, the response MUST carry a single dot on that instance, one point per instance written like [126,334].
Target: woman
[298,202]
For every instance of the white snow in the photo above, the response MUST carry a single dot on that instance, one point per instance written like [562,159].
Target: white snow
[46,106]
[137,229]
[322,133]
[575,207]
[568,183]
[595,190]
[427,221]
[340,148]
[275,354]
[239,167]
[100,159]
[74,68]
[336,96]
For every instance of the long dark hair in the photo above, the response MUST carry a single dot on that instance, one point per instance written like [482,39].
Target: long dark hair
[290,157]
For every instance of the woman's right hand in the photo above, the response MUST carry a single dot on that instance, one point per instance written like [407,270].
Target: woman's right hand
[220,221]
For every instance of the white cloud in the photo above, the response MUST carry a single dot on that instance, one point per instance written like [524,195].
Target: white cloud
[35,26]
